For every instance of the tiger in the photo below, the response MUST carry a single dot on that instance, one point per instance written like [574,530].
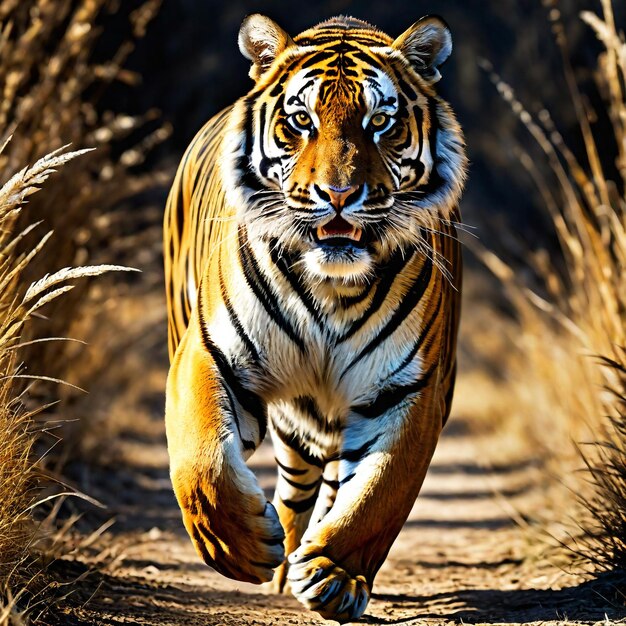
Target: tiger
[313,283]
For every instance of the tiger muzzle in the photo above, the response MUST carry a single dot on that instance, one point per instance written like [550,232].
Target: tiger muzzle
[339,197]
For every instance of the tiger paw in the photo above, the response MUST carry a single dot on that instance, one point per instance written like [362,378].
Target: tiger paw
[237,533]
[325,587]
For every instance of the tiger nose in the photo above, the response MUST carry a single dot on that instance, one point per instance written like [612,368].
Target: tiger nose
[339,197]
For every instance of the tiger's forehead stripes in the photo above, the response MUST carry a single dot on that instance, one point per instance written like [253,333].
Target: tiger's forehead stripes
[351,61]
[337,28]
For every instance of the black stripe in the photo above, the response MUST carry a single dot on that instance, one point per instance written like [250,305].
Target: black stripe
[342,47]
[247,177]
[449,395]
[210,538]
[419,120]
[312,73]
[347,479]
[354,456]
[246,443]
[405,87]
[247,127]
[202,536]
[300,506]
[249,401]
[282,263]
[200,542]
[221,562]
[291,470]
[415,166]
[435,181]
[434,127]
[180,202]
[234,319]
[423,335]
[293,441]
[395,266]
[347,301]
[308,406]
[266,161]
[393,396]
[333,484]
[302,486]
[367,58]
[408,304]
[263,291]
[316,58]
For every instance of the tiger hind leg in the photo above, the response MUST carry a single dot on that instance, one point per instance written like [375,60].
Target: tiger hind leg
[297,489]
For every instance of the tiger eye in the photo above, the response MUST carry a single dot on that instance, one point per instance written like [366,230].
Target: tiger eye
[379,120]
[302,120]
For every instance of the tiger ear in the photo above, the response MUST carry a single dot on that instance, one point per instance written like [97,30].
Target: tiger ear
[426,45]
[261,40]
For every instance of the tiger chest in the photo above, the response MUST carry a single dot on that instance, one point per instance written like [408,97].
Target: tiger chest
[312,379]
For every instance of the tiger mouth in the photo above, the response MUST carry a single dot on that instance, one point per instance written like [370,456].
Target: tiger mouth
[338,232]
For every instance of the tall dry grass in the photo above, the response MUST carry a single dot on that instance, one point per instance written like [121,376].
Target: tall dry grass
[51,88]
[51,93]
[575,311]
[19,302]
[602,546]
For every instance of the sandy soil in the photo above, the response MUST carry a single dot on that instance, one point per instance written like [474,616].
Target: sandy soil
[459,559]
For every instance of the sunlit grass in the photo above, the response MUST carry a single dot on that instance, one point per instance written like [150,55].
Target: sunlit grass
[574,311]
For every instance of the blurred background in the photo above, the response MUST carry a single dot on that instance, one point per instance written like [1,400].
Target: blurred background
[539,91]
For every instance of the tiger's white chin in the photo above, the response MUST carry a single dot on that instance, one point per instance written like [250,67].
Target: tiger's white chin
[347,266]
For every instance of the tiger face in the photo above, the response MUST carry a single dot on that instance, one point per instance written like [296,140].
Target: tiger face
[343,153]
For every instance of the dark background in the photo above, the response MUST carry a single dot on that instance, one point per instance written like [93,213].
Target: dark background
[191,67]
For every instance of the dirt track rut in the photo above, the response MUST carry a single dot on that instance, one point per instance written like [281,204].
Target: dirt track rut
[459,558]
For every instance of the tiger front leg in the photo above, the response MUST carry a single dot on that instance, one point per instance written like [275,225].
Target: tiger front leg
[381,470]
[232,525]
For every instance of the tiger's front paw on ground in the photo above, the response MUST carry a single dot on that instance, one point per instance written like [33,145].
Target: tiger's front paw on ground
[327,588]
[243,544]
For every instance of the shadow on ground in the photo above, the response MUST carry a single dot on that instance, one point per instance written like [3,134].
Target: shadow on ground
[100,596]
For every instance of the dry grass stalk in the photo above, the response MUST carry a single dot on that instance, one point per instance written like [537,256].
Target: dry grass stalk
[18,303]
[579,311]
[602,544]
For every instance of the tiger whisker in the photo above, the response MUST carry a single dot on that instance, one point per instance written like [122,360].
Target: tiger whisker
[438,260]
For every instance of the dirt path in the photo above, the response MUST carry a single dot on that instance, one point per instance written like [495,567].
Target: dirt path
[457,560]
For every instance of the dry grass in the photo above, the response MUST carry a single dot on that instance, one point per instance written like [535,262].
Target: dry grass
[574,307]
[51,88]
[18,304]
[603,542]
[51,94]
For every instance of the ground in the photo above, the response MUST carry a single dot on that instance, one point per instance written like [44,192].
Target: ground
[462,557]
[475,549]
